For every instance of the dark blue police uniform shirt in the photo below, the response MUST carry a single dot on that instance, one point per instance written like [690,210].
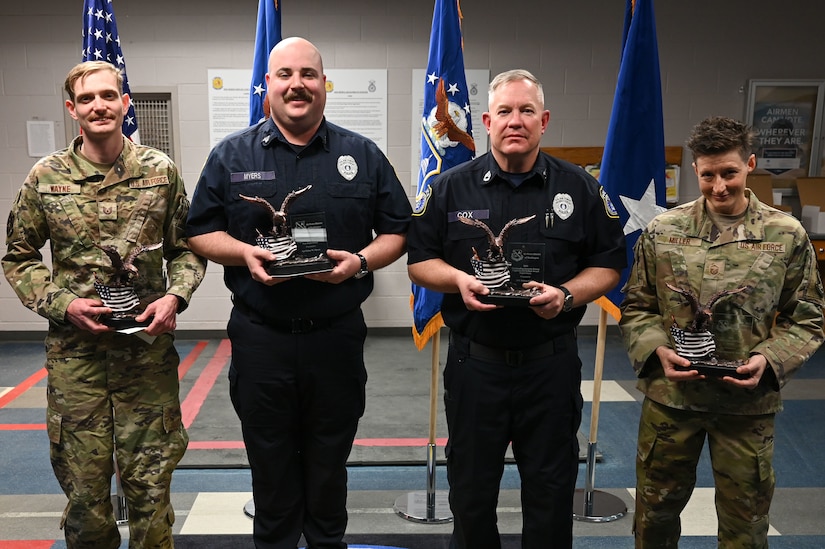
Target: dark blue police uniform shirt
[575,222]
[353,184]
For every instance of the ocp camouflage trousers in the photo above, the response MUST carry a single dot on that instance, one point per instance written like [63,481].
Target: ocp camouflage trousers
[741,451]
[122,400]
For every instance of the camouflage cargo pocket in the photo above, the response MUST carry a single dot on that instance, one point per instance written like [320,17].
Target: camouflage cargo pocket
[54,427]
[172,420]
[646,444]
[764,462]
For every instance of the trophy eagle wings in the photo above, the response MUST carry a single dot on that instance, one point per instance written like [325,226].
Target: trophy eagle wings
[125,269]
[495,252]
[279,219]
[702,313]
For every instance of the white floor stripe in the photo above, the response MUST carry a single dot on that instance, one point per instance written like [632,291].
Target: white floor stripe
[222,513]
[611,392]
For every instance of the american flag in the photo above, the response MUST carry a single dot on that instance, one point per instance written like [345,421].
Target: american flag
[118,298]
[692,345]
[101,42]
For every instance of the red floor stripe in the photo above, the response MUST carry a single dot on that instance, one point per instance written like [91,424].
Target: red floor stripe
[215,445]
[27,544]
[190,359]
[22,427]
[200,390]
[23,387]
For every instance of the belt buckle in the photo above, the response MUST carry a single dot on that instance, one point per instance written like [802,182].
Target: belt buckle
[301,325]
[513,358]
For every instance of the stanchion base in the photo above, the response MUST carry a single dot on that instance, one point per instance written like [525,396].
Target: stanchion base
[606,507]
[121,512]
[413,507]
[249,508]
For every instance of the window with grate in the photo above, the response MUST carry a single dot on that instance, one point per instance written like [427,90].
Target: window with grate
[153,112]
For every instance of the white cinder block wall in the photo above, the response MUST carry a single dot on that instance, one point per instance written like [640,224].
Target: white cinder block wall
[708,51]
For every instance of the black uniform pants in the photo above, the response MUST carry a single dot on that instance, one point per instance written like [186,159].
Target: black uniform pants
[299,397]
[533,401]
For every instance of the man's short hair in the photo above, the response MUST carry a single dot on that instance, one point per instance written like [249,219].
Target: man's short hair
[84,69]
[719,135]
[516,75]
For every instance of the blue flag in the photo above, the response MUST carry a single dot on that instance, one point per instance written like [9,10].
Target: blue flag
[101,42]
[446,138]
[267,34]
[633,165]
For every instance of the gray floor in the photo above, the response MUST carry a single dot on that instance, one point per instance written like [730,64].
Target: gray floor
[398,409]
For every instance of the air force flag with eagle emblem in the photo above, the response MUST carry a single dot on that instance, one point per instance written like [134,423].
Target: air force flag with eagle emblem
[446,137]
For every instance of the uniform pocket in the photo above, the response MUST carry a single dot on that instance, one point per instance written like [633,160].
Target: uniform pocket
[54,427]
[172,420]
[764,462]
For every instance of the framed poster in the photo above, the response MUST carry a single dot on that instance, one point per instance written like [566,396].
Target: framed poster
[786,116]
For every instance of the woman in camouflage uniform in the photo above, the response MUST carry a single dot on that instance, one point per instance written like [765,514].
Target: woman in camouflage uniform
[727,243]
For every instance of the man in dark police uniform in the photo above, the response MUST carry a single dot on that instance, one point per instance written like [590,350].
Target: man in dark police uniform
[297,378]
[513,372]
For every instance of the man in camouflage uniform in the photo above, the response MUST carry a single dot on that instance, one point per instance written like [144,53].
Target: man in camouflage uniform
[107,391]
[725,240]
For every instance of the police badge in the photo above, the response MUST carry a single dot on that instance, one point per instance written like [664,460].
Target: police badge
[298,241]
[495,271]
[118,293]
[697,343]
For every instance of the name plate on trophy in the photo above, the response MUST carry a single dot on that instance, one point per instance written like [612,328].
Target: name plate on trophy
[309,233]
[526,262]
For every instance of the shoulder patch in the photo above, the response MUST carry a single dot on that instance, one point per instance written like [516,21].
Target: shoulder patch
[421,200]
[609,208]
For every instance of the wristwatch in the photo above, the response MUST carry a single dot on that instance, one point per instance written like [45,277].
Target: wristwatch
[363,271]
[568,299]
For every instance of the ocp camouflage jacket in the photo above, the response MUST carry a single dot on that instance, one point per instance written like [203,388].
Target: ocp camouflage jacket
[67,200]
[778,314]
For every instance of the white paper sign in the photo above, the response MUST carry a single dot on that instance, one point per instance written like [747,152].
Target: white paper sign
[40,137]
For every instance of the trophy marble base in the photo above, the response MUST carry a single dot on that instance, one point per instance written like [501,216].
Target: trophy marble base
[715,368]
[300,267]
[509,297]
[124,322]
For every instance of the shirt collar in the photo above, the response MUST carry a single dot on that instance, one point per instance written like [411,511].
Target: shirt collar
[537,176]
[272,133]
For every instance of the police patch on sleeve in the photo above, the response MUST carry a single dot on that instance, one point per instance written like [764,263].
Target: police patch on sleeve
[609,208]
[421,200]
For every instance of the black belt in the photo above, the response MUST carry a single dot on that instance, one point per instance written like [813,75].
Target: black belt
[289,325]
[514,357]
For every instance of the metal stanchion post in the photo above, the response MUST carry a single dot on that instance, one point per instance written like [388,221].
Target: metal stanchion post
[592,505]
[249,508]
[119,498]
[428,506]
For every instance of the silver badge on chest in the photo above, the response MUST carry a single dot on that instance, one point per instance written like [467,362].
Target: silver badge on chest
[347,167]
[563,205]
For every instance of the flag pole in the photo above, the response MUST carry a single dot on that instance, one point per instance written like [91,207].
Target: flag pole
[428,507]
[592,505]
